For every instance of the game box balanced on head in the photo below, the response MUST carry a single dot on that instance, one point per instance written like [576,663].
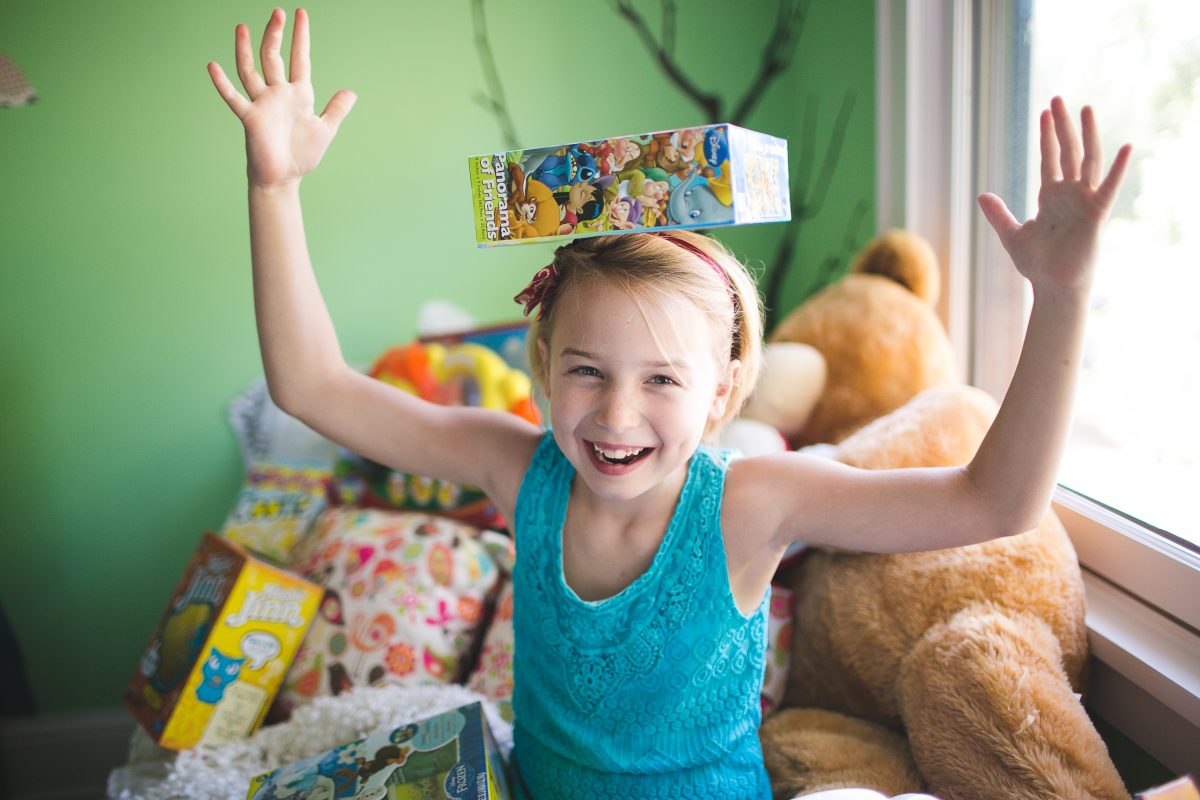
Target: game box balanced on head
[699,177]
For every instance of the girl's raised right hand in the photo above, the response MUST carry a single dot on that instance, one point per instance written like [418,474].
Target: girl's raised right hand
[284,138]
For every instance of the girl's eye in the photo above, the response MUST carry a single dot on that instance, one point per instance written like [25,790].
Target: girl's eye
[662,380]
[586,372]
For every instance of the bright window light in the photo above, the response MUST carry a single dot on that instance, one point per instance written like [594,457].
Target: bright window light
[1135,445]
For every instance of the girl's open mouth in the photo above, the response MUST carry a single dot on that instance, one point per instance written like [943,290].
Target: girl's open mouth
[617,456]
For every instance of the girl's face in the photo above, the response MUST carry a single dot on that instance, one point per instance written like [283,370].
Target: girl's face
[629,401]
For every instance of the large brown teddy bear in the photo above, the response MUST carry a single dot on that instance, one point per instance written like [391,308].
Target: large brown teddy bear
[953,671]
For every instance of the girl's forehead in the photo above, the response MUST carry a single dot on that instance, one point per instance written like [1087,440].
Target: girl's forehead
[597,299]
[602,317]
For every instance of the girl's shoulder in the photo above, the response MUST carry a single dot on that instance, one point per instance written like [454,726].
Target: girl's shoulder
[761,491]
[541,454]
[513,452]
[746,500]
[772,472]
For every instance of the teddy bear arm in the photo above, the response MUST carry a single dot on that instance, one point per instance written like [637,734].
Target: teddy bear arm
[989,714]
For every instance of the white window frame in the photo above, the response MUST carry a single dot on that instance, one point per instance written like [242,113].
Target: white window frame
[942,104]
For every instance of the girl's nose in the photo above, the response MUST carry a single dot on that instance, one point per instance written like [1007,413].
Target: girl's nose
[618,410]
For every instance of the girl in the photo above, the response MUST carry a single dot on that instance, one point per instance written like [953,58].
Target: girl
[645,558]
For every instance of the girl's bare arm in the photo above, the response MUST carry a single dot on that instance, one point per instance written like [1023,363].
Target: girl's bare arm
[1006,488]
[306,372]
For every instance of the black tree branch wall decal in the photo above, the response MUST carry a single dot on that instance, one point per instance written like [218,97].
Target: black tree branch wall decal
[813,172]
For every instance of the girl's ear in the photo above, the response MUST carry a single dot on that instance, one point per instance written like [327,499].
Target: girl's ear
[544,357]
[724,390]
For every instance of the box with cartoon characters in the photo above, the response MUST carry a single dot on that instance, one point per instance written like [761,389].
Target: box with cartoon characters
[222,647]
[450,755]
[688,178]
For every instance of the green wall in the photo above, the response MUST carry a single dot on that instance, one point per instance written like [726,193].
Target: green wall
[125,304]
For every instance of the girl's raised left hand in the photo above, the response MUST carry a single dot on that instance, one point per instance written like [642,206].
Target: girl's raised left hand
[1057,248]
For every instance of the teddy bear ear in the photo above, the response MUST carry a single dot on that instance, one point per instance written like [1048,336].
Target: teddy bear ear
[907,259]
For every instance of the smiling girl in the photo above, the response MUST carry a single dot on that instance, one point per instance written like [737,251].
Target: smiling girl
[644,558]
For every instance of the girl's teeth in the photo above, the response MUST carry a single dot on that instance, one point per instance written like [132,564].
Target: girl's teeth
[616,455]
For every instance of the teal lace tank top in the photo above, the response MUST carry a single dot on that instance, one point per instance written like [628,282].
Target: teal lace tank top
[651,693]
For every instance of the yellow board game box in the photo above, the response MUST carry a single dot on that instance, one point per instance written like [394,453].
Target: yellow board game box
[222,647]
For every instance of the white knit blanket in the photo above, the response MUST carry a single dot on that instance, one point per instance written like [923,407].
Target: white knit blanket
[223,772]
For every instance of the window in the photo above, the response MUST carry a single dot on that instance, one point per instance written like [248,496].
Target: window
[960,84]
[1136,441]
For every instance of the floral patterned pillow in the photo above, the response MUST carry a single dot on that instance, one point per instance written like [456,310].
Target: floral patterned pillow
[493,675]
[404,602]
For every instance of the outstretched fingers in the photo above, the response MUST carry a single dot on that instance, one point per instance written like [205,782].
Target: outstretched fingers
[338,107]
[1068,141]
[1106,192]
[268,51]
[251,80]
[999,217]
[1049,148]
[300,64]
[1092,151]
[232,97]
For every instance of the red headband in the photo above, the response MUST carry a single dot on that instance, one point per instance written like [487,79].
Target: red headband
[703,256]
[540,289]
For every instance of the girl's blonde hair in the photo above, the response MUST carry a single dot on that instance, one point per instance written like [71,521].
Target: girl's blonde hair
[648,263]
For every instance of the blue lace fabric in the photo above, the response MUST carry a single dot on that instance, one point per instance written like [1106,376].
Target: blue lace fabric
[651,693]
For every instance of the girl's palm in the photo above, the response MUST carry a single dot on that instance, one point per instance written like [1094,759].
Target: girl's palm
[284,138]
[1058,246]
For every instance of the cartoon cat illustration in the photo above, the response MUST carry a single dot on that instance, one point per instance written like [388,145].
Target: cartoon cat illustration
[219,671]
